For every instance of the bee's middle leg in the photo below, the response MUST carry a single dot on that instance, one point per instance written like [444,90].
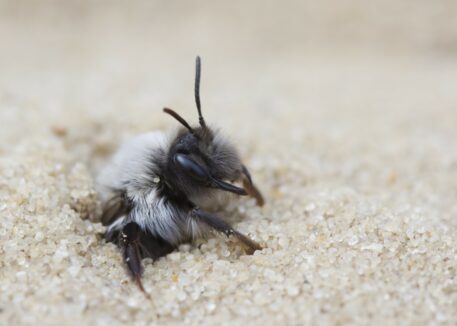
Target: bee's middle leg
[137,244]
[129,239]
[220,225]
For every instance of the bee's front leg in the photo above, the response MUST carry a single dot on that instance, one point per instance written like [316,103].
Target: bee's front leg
[250,187]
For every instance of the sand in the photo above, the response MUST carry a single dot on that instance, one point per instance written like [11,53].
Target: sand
[348,128]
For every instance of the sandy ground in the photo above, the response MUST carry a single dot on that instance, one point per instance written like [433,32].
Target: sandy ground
[345,115]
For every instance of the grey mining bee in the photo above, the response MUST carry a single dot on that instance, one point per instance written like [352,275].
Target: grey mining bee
[156,188]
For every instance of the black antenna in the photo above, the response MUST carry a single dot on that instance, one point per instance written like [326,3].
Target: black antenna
[179,118]
[197,91]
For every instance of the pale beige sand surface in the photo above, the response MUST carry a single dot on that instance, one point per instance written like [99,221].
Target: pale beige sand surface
[345,113]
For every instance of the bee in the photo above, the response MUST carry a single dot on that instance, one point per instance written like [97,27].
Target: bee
[158,189]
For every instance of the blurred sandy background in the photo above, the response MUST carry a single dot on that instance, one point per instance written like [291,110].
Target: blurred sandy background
[344,110]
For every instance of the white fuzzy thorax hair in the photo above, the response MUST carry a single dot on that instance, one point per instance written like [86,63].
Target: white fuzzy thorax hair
[131,171]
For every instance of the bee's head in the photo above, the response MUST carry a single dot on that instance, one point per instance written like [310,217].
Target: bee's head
[199,158]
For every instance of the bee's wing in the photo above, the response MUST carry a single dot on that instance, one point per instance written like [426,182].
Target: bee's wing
[114,208]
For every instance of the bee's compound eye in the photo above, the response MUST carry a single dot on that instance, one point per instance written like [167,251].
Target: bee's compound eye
[191,167]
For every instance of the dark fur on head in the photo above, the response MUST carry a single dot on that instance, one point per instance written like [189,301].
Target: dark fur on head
[195,164]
